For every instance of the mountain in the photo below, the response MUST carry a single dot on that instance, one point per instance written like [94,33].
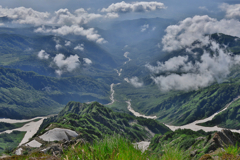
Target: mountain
[95,121]
[20,52]
[27,94]
[89,123]
[181,107]
[226,119]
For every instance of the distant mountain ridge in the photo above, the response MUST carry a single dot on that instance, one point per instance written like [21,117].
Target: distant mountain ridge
[27,94]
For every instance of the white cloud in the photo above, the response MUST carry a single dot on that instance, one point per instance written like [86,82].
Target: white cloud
[90,33]
[79,47]
[111,15]
[154,28]
[65,64]
[173,64]
[192,29]
[87,61]
[232,11]
[194,75]
[123,7]
[204,8]
[43,55]
[144,27]
[24,15]
[67,43]
[58,46]
[64,21]
[135,82]
[60,17]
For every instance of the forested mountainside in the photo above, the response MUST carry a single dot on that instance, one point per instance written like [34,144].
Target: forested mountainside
[27,94]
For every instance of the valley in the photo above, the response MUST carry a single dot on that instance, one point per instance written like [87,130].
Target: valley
[108,80]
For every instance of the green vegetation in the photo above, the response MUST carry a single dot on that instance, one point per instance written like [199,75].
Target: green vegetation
[27,94]
[8,142]
[175,107]
[114,147]
[179,107]
[185,140]
[230,150]
[94,121]
[173,153]
[227,119]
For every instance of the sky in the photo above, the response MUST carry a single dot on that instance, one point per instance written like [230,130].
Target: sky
[176,9]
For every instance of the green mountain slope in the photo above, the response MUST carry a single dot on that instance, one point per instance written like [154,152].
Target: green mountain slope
[180,107]
[20,52]
[27,94]
[94,121]
[228,118]
[175,107]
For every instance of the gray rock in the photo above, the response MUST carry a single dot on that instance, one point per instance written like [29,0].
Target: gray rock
[58,134]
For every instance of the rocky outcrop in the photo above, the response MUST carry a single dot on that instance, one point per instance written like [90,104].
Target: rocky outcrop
[223,139]
[58,134]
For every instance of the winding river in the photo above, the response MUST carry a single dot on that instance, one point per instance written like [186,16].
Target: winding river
[193,126]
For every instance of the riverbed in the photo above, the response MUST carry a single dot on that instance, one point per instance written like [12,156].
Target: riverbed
[30,128]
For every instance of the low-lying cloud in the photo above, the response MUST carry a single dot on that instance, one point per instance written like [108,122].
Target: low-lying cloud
[136,82]
[43,54]
[79,47]
[87,61]
[67,43]
[195,29]
[183,74]
[66,64]
[89,33]
[144,27]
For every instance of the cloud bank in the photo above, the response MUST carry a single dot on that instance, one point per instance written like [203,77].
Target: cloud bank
[63,22]
[67,43]
[43,55]
[66,63]
[183,74]
[144,27]
[87,61]
[89,33]
[123,7]
[79,47]
[232,11]
[195,29]
[136,82]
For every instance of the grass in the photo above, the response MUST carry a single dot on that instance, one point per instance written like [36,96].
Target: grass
[234,151]
[171,153]
[118,148]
